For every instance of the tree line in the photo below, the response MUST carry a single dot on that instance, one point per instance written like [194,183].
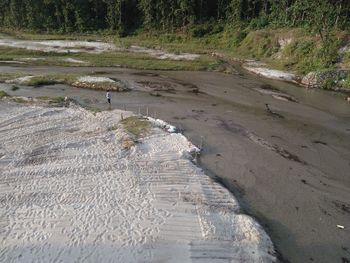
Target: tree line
[125,16]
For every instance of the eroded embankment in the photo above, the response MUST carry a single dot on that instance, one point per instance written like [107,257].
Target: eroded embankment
[71,191]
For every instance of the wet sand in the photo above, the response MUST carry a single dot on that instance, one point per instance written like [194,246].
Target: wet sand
[289,166]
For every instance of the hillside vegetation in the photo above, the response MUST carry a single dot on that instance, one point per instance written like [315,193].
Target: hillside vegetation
[297,35]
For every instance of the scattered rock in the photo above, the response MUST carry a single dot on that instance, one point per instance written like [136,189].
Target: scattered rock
[329,79]
[195,90]
[275,114]
[100,83]
[155,94]
[319,142]
[157,86]
[345,208]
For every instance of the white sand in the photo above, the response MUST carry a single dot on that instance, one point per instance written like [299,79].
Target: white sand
[20,80]
[160,54]
[272,73]
[70,60]
[32,59]
[89,79]
[58,46]
[73,60]
[70,193]
[73,46]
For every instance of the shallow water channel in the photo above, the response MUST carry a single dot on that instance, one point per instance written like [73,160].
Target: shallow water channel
[287,162]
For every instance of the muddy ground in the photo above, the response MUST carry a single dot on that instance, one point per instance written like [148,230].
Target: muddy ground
[287,161]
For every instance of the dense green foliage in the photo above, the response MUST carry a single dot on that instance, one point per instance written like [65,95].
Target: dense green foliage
[125,16]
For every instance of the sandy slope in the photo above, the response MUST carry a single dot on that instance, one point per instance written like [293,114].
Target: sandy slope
[70,193]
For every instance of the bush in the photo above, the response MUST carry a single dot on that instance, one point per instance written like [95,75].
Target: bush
[306,56]
[346,82]
[41,81]
[259,44]
[328,84]
[206,29]
[3,94]
[237,38]
[258,23]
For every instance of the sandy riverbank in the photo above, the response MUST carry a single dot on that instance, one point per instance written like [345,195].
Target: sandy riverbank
[70,192]
[95,47]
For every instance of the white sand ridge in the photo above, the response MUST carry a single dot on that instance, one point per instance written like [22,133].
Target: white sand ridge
[58,46]
[261,69]
[96,47]
[70,193]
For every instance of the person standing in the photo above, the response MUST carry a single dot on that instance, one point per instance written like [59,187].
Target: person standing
[109,96]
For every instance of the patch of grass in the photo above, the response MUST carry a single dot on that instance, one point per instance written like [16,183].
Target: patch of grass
[144,61]
[346,83]
[107,59]
[346,60]
[259,44]
[176,42]
[3,94]
[52,79]
[57,99]
[137,126]
[41,81]
[19,100]
[310,57]
[14,88]
[93,109]
[8,76]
